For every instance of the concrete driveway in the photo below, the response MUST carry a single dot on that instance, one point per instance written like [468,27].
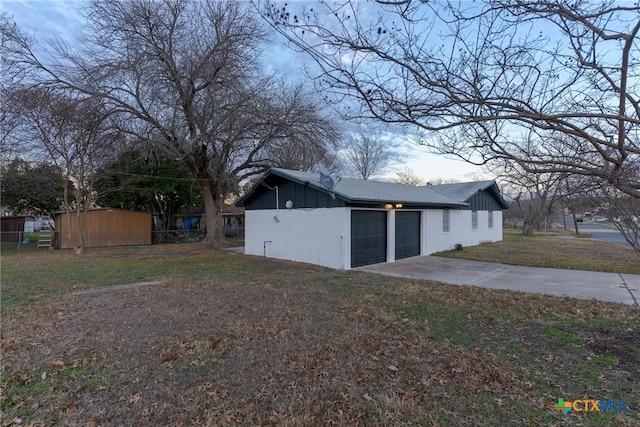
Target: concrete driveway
[623,288]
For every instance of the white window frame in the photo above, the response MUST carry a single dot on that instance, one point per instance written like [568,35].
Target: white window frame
[446,220]
[490,219]
[474,219]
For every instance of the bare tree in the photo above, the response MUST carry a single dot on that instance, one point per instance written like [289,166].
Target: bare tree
[186,76]
[407,176]
[308,139]
[550,85]
[624,212]
[76,134]
[536,195]
[439,181]
[9,122]
[621,209]
[366,153]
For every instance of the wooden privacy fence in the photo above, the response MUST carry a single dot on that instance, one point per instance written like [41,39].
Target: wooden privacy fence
[103,227]
[12,228]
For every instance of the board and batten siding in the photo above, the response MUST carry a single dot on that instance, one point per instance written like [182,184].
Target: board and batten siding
[483,201]
[302,196]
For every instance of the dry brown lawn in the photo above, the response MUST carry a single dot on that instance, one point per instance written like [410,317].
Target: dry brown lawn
[227,339]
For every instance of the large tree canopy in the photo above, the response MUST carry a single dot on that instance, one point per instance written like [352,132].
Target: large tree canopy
[73,133]
[551,85]
[186,76]
[149,182]
[31,188]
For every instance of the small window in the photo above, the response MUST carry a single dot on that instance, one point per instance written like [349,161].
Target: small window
[490,219]
[474,220]
[445,220]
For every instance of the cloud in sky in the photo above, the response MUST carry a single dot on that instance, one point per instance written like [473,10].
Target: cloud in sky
[47,18]
[50,19]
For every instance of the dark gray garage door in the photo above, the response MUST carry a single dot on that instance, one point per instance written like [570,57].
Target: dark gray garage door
[407,234]
[368,237]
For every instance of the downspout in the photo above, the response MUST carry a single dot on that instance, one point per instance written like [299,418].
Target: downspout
[277,217]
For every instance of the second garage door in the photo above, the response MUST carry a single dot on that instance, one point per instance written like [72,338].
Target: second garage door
[368,237]
[407,234]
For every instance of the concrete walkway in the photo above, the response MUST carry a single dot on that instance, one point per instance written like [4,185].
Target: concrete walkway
[623,288]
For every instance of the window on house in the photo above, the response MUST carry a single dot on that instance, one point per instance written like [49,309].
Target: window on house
[490,219]
[474,220]
[446,213]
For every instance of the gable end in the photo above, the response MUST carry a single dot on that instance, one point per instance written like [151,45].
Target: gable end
[303,196]
[483,201]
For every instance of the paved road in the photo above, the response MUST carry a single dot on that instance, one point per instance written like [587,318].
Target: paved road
[623,288]
[599,231]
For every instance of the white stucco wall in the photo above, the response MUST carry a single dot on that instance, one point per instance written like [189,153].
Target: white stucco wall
[323,236]
[460,231]
[318,236]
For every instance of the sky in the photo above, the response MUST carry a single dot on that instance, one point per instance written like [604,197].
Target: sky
[60,19]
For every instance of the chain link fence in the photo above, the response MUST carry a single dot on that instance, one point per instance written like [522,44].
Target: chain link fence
[20,240]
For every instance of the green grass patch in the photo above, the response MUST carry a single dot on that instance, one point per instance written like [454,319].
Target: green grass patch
[607,360]
[553,252]
[32,389]
[38,276]
[443,323]
[567,337]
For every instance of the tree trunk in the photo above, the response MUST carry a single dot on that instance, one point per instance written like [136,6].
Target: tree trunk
[219,201]
[212,214]
[81,216]
[527,228]
[80,244]
[529,222]
[573,214]
[77,244]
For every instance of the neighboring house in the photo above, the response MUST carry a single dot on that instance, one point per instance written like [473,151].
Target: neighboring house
[232,221]
[103,227]
[346,223]
[33,224]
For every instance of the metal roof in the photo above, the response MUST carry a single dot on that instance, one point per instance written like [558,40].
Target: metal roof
[464,190]
[369,191]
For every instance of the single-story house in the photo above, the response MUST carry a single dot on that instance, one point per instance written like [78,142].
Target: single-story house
[345,223]
[194,220]
[103,227]
[233,221]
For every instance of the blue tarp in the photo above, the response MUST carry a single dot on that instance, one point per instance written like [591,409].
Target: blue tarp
[189,223]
